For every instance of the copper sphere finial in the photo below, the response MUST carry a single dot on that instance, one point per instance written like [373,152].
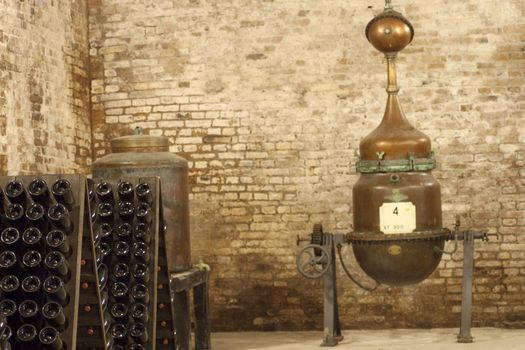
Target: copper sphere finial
[389,31]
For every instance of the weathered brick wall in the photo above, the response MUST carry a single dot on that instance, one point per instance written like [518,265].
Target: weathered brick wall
[44,87]
[268,101]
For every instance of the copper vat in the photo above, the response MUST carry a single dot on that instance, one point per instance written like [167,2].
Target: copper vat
[146,155]
[398,234]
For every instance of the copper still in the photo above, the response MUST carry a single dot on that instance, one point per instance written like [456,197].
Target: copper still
[398,235]
[147,155]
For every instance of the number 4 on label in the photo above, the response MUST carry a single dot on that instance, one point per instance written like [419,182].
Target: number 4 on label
[396,211]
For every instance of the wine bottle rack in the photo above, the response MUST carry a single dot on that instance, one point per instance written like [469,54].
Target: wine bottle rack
[138,277]
[43,224]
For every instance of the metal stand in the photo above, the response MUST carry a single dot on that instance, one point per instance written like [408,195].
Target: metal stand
[181,284]
[332,326]
[464,335]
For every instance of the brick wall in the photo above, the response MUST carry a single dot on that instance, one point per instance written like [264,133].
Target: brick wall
[44,87]
[268,101]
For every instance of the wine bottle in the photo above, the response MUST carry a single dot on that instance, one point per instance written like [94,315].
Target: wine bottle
[26,337]
[39,192]
[118,332]
[139,312]
[57,239]
[32,261]
[140,251]
[140,272]
[121,251]
[15,192]
[139,333]
[58,214]
[63,193]
[140,293]
[105,250]
[56,263]
[141,233]
[144,193]
[32,238]
[49,337]
[55,289]
[143,213]
[14,215]
[121,272]
[125,191]
[10,238]
[104,192]
[28,311]
[6,337]
[91,190]
[124,232]
[9,263]
[31,288]
[119,291]
[102,276]
[104,299]
[103,233]
[35,215]
[119,312]
[9,285]
[137,347]
[126,211]
[8,309]
[105,212]
[54,314]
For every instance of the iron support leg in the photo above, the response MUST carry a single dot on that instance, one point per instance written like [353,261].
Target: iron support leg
[465,335]
[332,327]
[202,325]
[182,320]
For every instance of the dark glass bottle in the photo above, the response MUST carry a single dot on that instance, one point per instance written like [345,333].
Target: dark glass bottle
[9,263]
[26,337]
[57,240]
[63,193]
[137,347]
[140,251]
[144,192]
[125,191]
[54,314]
[104,299]
[103,233]
[126,211]
[14,215]
[91,190]
[31,287]
[6,337]
[36,216]
[143,213]
[57,264]
[58,214]
[102,276]
[49,337]
[140,272]
[121,251]
[139,312]
[55,290]
[119,291]
[32,238]
[32,261]
[121,272]
[9,285]
[15,192]
[10,238]
[124,232]
[141,233]
[119,312]
[105,250]
[118,332]
[104,192]
[8,309]
[38,191]
[28,311]
[105,212]
[140,293]
[139,333]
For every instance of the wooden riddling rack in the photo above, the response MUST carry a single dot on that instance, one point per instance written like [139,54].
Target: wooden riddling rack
[91,260]
[69,191]
[121,234]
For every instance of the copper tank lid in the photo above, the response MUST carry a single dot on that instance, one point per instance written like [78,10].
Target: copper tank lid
[395,138]
[140,143]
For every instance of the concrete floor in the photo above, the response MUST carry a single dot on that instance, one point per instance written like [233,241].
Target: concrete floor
[399,339]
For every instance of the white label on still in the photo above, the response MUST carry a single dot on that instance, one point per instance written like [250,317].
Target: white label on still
[397,217]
